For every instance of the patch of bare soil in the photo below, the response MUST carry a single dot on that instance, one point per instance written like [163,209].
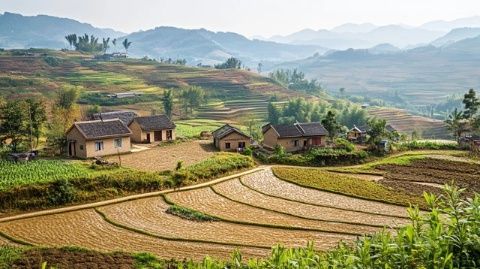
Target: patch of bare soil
[161,158]
[63,259]
[430,174]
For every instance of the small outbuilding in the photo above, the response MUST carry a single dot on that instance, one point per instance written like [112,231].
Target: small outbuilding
[88,139]
[149,129]
[357,134]
[229,138]
[294,137]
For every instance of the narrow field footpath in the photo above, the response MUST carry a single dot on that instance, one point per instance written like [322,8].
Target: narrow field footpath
[127,198]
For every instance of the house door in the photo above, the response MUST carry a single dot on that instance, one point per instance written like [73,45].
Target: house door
[316,141]
[157,135]
[148,137]
[71,149]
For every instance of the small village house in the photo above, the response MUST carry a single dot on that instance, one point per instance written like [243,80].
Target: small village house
[150,129]
[357,134]
[125,116]
[88,139]
[229,138]
[294,137]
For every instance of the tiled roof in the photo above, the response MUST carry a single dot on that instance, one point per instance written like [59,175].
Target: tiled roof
[390,128]
[154,123]
[125,116]
[226,130]
[299,129]
[362,129]
[102,129]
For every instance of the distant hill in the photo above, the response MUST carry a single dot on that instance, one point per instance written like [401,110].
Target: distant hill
[450,25]
[207,47]
[361,36]
[456,35]
[419,77]
[17,31]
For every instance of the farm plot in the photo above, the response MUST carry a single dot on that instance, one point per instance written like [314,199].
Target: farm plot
[149,215]
[209,202]
[430,175]
[266,182]
[235,190]
[167,157]
[87,229]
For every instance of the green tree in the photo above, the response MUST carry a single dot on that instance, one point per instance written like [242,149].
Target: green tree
[376,130]
[105,44]
[192,98]
[273,113]
[456,123]
[65,106]
[254,126]
[36,117]
[72,40]
[330,123]
[114,42]
[126,44]
[230,63]
[13,125]
[472,104]
[168,103]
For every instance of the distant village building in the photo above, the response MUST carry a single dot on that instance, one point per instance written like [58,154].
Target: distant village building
[471,142]
[151,129]
[125,116]
[88,139]
[121,95]
[229,138]
[294,137]
[357,134]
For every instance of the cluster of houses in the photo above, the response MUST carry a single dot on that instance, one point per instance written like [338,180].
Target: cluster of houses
[114,132]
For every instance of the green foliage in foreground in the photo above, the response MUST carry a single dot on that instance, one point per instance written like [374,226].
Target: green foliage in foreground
[189,214]
[337,183]
[445,237]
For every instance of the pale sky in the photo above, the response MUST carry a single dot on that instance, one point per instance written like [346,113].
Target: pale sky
[248,17]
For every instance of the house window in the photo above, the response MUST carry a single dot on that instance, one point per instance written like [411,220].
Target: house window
[295,143]
[227,145]
[241,145]
[117,142]
[98,145]
[81,147]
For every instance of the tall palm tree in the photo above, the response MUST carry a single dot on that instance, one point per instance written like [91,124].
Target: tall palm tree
[114,42]
[456,123]
[105,43]
[71,39]
[126,45]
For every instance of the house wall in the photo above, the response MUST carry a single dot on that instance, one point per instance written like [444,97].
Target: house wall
[75,135]
[233,139]
[139,136]
[88,150]
[270,140]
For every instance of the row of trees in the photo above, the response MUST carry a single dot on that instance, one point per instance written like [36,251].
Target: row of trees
[295,80]
[24,121]
[468,119]
[190,99]
[91,43]
[230,63]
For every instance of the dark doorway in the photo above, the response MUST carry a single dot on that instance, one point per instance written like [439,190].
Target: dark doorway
[157,135]
[71,149]
[148,137]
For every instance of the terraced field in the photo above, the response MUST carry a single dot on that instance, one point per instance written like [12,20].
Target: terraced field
[406,123]
[252,214]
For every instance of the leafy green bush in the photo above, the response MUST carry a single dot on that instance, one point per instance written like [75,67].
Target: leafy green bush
[217,165]
[61,192]
[319,157]
[189,214]
[341,143]
[432,145]
[52,61]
